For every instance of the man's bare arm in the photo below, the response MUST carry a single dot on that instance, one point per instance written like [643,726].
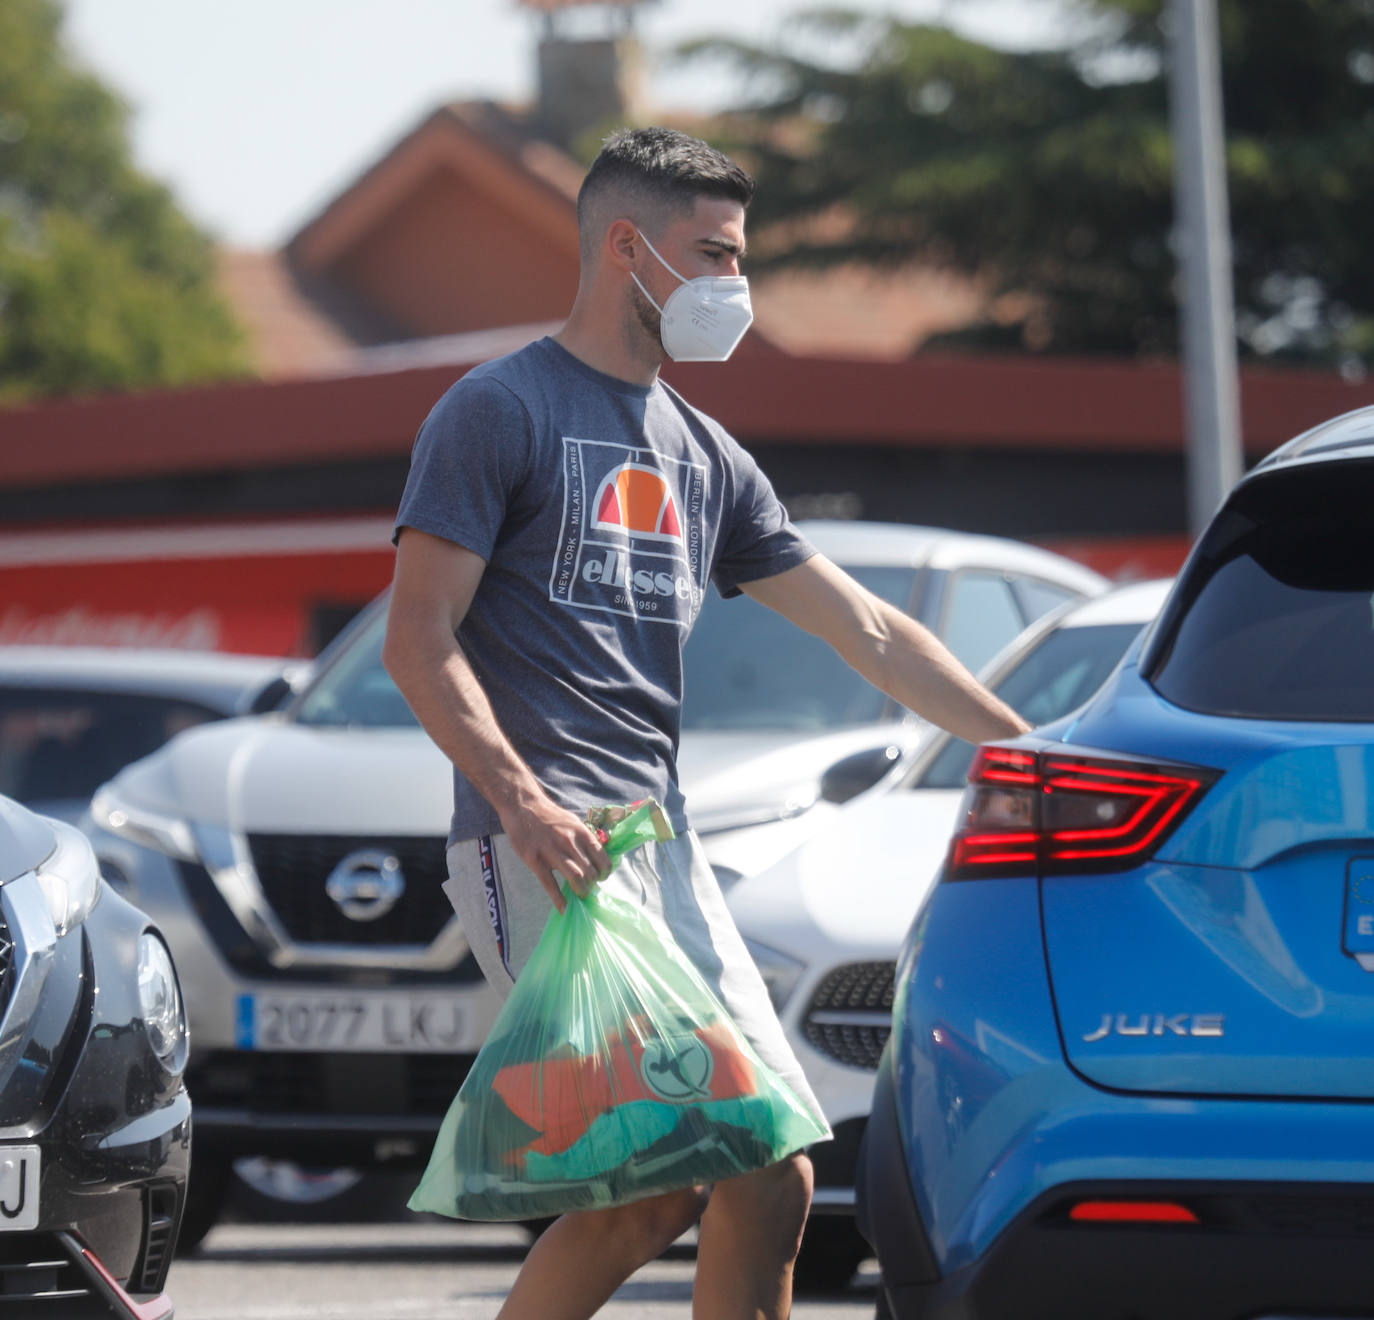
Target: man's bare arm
[889,648]
[434,583]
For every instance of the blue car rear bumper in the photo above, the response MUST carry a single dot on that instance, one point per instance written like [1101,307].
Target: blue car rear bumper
[983,1138]
[1277,1232]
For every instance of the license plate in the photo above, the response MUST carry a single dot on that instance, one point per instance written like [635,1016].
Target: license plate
[1359,906]
[399,1021]
[18,1188]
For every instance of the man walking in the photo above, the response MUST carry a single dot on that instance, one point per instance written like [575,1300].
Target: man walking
[564,514]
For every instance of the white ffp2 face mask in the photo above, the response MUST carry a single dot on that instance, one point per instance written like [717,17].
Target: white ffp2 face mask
[703,319]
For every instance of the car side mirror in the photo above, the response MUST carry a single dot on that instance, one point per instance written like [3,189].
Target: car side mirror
[274,694]
[849,777]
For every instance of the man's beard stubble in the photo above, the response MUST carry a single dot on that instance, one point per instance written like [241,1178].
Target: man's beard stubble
[649,319]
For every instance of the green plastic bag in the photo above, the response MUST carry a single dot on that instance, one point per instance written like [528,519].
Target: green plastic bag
[612,1073]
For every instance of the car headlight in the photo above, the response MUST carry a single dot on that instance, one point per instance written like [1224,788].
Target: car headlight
[780,973]
[152,829]
[69,878]
[159,997]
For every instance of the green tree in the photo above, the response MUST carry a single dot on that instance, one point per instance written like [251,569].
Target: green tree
[1047,174]
[104,284]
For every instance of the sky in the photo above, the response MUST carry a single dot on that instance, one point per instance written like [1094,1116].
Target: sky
[257,112]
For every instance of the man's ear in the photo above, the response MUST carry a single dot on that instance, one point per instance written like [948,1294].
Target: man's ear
[621,245]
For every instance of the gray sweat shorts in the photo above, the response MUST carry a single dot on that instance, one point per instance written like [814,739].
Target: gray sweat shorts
[503,910]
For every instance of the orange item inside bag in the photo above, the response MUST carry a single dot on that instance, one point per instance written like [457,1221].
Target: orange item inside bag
[561,1098]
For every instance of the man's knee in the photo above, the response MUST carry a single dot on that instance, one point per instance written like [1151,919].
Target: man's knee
[766,1209]
[781,1191]
[650,1226]
[790,1180]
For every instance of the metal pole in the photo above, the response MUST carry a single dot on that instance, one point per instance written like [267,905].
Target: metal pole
[1202,231]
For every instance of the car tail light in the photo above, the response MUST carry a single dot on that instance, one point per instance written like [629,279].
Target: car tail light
[1053,812]
[1132,1212]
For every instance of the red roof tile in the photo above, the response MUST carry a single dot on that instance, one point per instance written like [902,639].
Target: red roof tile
[288,334]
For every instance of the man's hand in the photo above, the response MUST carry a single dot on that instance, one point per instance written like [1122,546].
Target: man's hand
[550,840]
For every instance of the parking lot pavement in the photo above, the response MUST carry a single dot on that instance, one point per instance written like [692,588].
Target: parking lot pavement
[418,1271]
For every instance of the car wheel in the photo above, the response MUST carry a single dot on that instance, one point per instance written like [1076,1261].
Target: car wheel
[832,1249]
[206,1190]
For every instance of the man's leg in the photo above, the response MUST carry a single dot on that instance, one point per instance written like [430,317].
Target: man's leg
[749,1238]
[582,1258]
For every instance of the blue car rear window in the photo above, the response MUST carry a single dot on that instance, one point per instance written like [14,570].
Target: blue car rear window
[1280,625]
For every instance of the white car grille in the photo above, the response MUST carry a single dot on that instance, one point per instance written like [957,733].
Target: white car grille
[849,1017]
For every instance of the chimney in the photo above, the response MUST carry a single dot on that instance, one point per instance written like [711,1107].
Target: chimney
[591,67]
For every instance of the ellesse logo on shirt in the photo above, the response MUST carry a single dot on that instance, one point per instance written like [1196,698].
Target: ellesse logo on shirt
[631,538]
[638,500]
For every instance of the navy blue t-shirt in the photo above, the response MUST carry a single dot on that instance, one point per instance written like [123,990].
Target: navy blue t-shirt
[602,508]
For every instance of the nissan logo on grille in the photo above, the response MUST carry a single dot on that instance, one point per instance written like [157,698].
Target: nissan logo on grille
[366,885]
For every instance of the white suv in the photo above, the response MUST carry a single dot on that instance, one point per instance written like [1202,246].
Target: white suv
[294,860]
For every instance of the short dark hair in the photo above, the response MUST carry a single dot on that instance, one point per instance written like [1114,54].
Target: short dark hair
[657,171]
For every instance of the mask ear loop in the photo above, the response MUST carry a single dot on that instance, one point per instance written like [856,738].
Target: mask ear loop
[647,294]
[662,263]
[680,279]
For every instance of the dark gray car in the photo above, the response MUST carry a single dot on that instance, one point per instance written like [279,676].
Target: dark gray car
[71,717]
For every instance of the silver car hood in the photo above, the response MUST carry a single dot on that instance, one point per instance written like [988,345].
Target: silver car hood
[267,775]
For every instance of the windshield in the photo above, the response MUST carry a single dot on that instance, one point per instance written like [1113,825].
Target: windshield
[749,668]
[746,668]
[356,689]
[1057,676]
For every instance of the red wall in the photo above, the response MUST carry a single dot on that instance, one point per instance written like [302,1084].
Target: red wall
[255,604]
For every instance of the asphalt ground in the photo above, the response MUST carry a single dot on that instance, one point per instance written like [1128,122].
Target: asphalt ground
[420,1270]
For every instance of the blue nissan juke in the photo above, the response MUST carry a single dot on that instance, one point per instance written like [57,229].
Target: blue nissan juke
[1131,1069]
